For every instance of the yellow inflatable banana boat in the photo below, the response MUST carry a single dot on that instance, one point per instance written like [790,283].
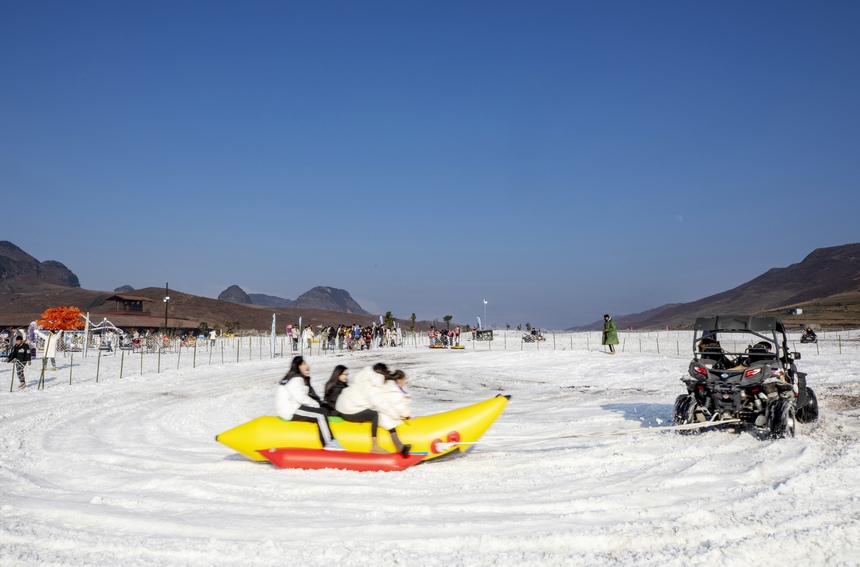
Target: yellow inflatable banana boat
[436,435]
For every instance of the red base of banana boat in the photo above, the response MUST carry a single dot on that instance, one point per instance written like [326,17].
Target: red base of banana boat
[315,459]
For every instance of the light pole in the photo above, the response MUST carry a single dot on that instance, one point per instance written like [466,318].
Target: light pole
[485,312]
[166,303]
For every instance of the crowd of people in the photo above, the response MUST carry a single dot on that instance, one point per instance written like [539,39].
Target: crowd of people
[447,337]
[346,337]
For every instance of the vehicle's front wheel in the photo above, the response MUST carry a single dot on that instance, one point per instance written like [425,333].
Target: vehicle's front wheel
[809,412]
[780,417]
[685,413]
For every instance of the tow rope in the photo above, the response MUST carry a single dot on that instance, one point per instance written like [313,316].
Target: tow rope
[525,441]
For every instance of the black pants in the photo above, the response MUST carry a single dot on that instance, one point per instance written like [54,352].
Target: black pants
[611,348]
[363,416]
[319,416]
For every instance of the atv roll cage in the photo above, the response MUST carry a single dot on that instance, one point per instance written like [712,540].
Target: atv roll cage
[708,350]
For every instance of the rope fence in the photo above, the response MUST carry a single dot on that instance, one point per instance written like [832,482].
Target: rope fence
[155,355]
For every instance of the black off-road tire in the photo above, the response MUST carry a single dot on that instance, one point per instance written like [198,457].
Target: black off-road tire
[781,418]
[685,413]
[809,412]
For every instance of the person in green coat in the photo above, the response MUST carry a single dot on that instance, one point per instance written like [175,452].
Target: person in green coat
[610,333]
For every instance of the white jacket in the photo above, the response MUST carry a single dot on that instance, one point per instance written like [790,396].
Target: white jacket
[290,396]
[51,341]
[369,390]
[396,405]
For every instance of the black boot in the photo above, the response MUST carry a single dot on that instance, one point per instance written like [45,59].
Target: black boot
[401,448]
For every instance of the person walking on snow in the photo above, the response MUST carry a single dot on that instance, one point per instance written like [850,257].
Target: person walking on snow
[51,339]
[610,333]
[20,354]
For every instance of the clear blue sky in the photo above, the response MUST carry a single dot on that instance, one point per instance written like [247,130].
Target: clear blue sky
[560,159]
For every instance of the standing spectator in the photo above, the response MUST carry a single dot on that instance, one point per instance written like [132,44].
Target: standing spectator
[307,337]
[294,334]
[4,344]
[51,339]
[332,337]
[610,333]
[31,337]
[341,336]
[20,354]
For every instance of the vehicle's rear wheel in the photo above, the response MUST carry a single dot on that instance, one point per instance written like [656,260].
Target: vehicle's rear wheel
[685,413]
[781,418]
[809,412]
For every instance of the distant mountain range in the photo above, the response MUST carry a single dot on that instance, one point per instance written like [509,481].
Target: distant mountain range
[29,287]
[825,286]
[320,297]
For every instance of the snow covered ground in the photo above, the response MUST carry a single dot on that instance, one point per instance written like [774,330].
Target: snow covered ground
[128,472]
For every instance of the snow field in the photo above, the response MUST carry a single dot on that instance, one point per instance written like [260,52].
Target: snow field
[127,471]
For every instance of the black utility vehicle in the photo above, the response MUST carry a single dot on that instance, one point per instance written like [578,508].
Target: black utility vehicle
[533,336]
[809,336]
[742,370]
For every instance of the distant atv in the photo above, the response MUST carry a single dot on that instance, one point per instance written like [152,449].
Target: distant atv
[533,337]
[742,370]
[809,337]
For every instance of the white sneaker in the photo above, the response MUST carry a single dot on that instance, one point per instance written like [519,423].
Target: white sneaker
[333,445]
[22,385]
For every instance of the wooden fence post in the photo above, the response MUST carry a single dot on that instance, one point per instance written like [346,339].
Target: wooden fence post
[41,385]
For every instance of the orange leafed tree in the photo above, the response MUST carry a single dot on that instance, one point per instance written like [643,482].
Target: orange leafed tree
[61,319]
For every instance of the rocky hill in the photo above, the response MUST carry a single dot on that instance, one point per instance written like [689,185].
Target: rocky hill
[235,294]
[825,285]
[330,299]
[18,269]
